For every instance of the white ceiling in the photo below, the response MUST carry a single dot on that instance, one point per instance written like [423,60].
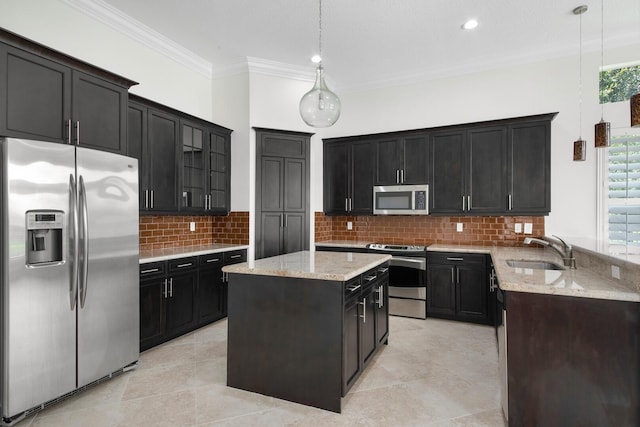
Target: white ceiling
[370,43]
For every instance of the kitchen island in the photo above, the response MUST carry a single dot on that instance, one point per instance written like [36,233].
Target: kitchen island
[303,326]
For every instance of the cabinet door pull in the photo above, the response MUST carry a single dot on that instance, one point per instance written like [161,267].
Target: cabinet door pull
[457,275]
[469,202]
[152,199]
[350,204]
[164,293]
[380,296]
[397,176]
[151,270]
[370,278]
[364,310]
[353,288]
[401,176]
[455,259]
[346,204]
[171,288]
[69,132]
[510,202]
[383,270]
[462,203]
[213,260]
[188,264]
[235,256]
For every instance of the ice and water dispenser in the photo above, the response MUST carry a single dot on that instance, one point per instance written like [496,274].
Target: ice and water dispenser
[44,237]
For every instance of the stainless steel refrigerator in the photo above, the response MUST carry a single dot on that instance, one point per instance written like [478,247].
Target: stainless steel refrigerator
[69,298]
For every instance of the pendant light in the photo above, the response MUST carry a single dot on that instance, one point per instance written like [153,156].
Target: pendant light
[579,146]
[635,110]
[320,107]
[602,128]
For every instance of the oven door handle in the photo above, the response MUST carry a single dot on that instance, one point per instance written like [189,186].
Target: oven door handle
[417,263]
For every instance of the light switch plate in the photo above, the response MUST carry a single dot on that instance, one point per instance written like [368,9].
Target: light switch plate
[528,228]
[459,227]
[518,228]
[192,226]
[349,225]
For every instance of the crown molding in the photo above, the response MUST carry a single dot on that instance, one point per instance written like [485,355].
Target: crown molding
[136,30]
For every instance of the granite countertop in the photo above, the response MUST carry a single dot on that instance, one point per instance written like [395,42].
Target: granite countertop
[172,253]
[344,244]
[581,282]
[336,266]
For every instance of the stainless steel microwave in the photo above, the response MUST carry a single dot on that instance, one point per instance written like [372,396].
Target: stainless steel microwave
[401,199]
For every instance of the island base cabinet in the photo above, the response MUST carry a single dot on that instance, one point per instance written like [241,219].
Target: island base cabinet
[285,338]
[572,361]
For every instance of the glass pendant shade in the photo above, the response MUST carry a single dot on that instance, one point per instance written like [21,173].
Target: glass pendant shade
[320,108]
[635,110]
[603,134]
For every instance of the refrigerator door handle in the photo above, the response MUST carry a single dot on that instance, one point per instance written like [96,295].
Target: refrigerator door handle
[73,242]
[84,241]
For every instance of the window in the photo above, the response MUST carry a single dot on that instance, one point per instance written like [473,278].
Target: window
[623,198]
[619,84]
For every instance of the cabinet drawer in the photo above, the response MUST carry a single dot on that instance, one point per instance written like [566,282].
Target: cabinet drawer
[352,288]
[210,259]
[234,257]
[182,264]
[152,269]
[455,258]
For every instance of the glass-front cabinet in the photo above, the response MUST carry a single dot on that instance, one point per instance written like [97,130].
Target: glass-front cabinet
[205,169]
[193,168]
[218,147]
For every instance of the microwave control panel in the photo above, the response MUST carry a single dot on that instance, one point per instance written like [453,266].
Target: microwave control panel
[420,200]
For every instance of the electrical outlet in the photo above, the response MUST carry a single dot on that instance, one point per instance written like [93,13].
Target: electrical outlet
[349,225]
[615,272]
[459,227]
[518,227]
[528,228]
[192,226]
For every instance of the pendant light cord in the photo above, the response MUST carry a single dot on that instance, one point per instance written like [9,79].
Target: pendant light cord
[320,30]
[601,60]
[580,86]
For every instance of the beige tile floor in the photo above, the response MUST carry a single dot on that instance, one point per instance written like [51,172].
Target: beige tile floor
[432,373]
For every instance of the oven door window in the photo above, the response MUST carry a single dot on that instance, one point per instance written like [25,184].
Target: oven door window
[406,277]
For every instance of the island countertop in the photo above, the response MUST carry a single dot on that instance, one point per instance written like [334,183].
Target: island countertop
[335,266]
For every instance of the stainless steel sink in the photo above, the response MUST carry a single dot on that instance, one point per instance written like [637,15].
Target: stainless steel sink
[534,264]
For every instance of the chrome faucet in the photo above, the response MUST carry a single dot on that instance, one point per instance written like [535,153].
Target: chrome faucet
[560,246]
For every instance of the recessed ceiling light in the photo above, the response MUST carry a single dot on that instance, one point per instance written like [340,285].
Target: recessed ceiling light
[470,24]
[316,59]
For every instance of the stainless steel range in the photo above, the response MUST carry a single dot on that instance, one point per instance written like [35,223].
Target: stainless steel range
[407,279]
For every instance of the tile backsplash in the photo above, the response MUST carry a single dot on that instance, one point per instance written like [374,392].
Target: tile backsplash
[422,230]
[167,231]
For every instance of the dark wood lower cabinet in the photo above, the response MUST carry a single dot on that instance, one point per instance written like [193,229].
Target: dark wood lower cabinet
[458,287]
[180,295]
[572,361]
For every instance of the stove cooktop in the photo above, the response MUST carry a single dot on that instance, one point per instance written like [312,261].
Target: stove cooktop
[396,248]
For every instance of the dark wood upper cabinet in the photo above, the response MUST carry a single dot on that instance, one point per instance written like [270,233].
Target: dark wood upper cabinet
[348,177]
[486,156]
[402,160]
[184,162]
[447,186]
[499,167]
[529,168]
[53,97]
